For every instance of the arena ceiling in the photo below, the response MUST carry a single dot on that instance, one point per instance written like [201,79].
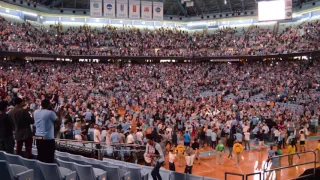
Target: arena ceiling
[176,8]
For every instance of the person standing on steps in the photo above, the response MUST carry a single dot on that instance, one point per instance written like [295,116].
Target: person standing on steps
[44,122]
[6,135]
[22,122]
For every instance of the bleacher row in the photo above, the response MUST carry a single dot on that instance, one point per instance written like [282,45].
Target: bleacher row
[75,167]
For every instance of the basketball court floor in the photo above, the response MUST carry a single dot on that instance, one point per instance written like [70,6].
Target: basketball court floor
[251,161]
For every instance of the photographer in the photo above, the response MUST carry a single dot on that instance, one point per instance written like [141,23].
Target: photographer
[44,122]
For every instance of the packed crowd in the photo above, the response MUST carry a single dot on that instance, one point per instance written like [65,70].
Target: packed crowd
[178,106]
[179,96]
[130,41]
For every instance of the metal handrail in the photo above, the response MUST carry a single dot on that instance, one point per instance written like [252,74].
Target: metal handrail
[253,174]
[101,143]
[285,167]
[235,174]
[139,147]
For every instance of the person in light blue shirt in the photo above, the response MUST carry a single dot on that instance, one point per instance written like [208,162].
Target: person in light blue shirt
[44,123]
[114,136]
[238,137]
[88,115]
[186,139]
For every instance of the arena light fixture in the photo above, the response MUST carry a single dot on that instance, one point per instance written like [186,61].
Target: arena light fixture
[29,13]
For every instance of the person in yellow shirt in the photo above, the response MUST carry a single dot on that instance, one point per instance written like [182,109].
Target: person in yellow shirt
[237,148]
[180,150]
[318,149]
[291,150]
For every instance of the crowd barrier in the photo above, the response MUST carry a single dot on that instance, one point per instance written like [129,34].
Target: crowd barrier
[265,170]
[101,150]
[88,58]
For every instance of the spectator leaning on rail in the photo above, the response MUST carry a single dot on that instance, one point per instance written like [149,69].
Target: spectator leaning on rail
[22,122]
[44,123]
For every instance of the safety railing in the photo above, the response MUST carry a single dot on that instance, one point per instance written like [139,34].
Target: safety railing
[234,174]
[314,162]
[254,174]
[103,149]
[266,170]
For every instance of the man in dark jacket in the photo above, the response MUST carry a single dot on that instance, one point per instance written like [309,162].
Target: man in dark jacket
[6,135]
[230,143]
[22,122]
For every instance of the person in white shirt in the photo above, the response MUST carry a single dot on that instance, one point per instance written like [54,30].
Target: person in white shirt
[208,136]
[214,139]
[247,140]
[97,139]
[96,134]
[169,132]
[130,139]
[276,133]
[189,162]
[172,157]
[265,128]
[302,139]
[245,128]
[139,135]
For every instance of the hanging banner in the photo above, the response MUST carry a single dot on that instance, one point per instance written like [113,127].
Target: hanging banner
[288,9]
[122,8]
[109,8]
[146,10]
[96,8]
[158,10]
[134,9]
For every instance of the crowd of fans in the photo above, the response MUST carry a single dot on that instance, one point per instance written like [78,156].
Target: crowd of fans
[130,41]
[190,97]
[273,101]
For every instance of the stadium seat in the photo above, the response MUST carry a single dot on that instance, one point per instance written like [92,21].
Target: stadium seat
[14,172]
[110,161]
[194,177]
[86,172]
[120,163]
[13,159]
[64,158]
[66,164]
[92,162]
[3,156]
[32,164]
[178,176]
[62,153]
[136,172]
[116,173]
[165,174]
[77,160]
[51,171]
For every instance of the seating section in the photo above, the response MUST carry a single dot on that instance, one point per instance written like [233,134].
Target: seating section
[14,172]
[14,167]
[122,170]
[75,167]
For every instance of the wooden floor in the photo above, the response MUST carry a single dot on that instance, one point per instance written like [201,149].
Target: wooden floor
[252,161]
